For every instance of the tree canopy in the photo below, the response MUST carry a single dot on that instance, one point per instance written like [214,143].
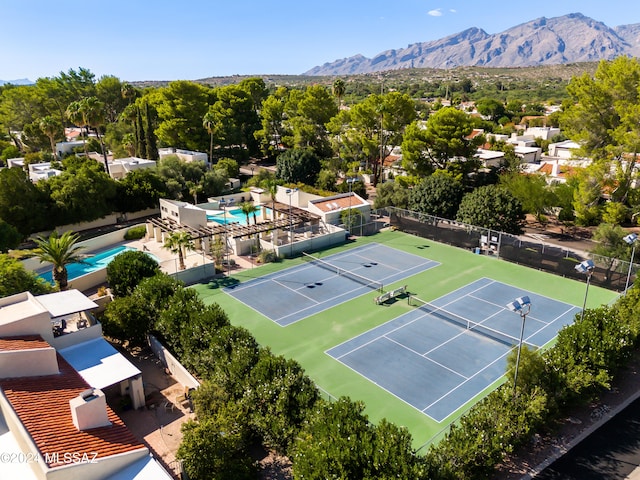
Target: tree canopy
[492,207]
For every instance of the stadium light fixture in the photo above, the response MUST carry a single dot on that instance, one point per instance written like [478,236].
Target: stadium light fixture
[586,267]
[631,240]
[521,306]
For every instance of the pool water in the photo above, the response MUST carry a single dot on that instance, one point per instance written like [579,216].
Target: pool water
[233,215]
[96,262]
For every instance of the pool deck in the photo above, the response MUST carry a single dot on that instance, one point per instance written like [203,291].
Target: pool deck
[169,261]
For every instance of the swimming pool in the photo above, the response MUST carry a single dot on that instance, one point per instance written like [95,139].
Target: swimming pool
[233,215]
[91,264]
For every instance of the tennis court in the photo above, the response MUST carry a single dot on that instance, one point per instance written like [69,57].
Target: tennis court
[322,283]
[440,355]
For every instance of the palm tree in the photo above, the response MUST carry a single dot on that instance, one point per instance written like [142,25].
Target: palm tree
[129,92]
[338,90]
[271,186]
[208,122]
[248,208]
[60,251]
[178,243]
[74,114]
[92,111]
[51,128]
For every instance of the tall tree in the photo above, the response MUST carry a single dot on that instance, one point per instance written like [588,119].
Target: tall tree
[338,90]
[307,114]
[181,107]
[272,121]
[60,251]
[141,147]
[178,243]
[443,144]
[298,165]
[604,118]
[438,195]
[492,207]
[248,208]
[74,114]
[52,129]
[150,136]
[209,123]
[92,111]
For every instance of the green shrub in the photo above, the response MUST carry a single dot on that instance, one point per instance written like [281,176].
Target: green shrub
[267,256]
[136,233]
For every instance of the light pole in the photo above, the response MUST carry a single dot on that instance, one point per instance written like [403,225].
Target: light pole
[350,181]
[587,267]
[631,240]
[521,306]
[290,192]
[222,203]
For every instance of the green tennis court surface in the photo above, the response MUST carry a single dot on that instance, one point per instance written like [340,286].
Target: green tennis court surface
[308,339]
[322,283]
[441,355]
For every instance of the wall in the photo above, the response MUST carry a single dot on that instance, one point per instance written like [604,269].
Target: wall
[28,363]
[180,373]
[74,338]
[195,274]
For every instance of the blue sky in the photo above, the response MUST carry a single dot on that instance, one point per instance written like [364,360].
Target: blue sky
[192,39]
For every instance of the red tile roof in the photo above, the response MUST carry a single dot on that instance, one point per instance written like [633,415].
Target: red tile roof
[42,404]
[341,202]
[23,342]
[563,170]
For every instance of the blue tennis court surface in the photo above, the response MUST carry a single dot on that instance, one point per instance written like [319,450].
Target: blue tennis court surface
[298,292]
[436,362]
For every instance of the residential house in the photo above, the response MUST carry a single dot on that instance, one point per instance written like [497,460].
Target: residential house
[565,149]
[42,171]
[121,167]
[185,155]
[64,149]
[54,417]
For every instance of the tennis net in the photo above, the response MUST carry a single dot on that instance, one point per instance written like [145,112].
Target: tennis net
[367,282]
[485,330]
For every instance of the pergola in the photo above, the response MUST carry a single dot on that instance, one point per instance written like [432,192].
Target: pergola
[295,217]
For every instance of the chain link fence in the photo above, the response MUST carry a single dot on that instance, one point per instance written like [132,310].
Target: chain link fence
[610,273]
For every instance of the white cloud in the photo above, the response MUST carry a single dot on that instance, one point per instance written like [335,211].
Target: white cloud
[453,10]
[435,13]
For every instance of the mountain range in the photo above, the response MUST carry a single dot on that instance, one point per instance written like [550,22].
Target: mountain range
[20,81]
[570,38]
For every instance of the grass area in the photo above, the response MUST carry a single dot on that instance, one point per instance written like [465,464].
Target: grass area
[307,340]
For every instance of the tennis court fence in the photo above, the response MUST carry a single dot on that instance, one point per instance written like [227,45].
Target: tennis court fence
[610,273]
[367,282]
[477,327]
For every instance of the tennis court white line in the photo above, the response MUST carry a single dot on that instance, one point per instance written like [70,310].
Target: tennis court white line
[426,358]
[462,383]
[279,319]
[269,277]
[296,290]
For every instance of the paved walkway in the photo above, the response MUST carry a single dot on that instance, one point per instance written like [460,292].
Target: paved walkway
[158,425]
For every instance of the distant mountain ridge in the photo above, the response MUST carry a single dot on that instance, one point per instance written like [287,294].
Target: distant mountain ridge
[571,38]
[19,81]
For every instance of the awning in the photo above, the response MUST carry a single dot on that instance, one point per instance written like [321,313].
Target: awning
[99,363]
[66,303]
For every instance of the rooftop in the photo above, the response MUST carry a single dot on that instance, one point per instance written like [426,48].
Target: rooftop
[42,405]
[25,342]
